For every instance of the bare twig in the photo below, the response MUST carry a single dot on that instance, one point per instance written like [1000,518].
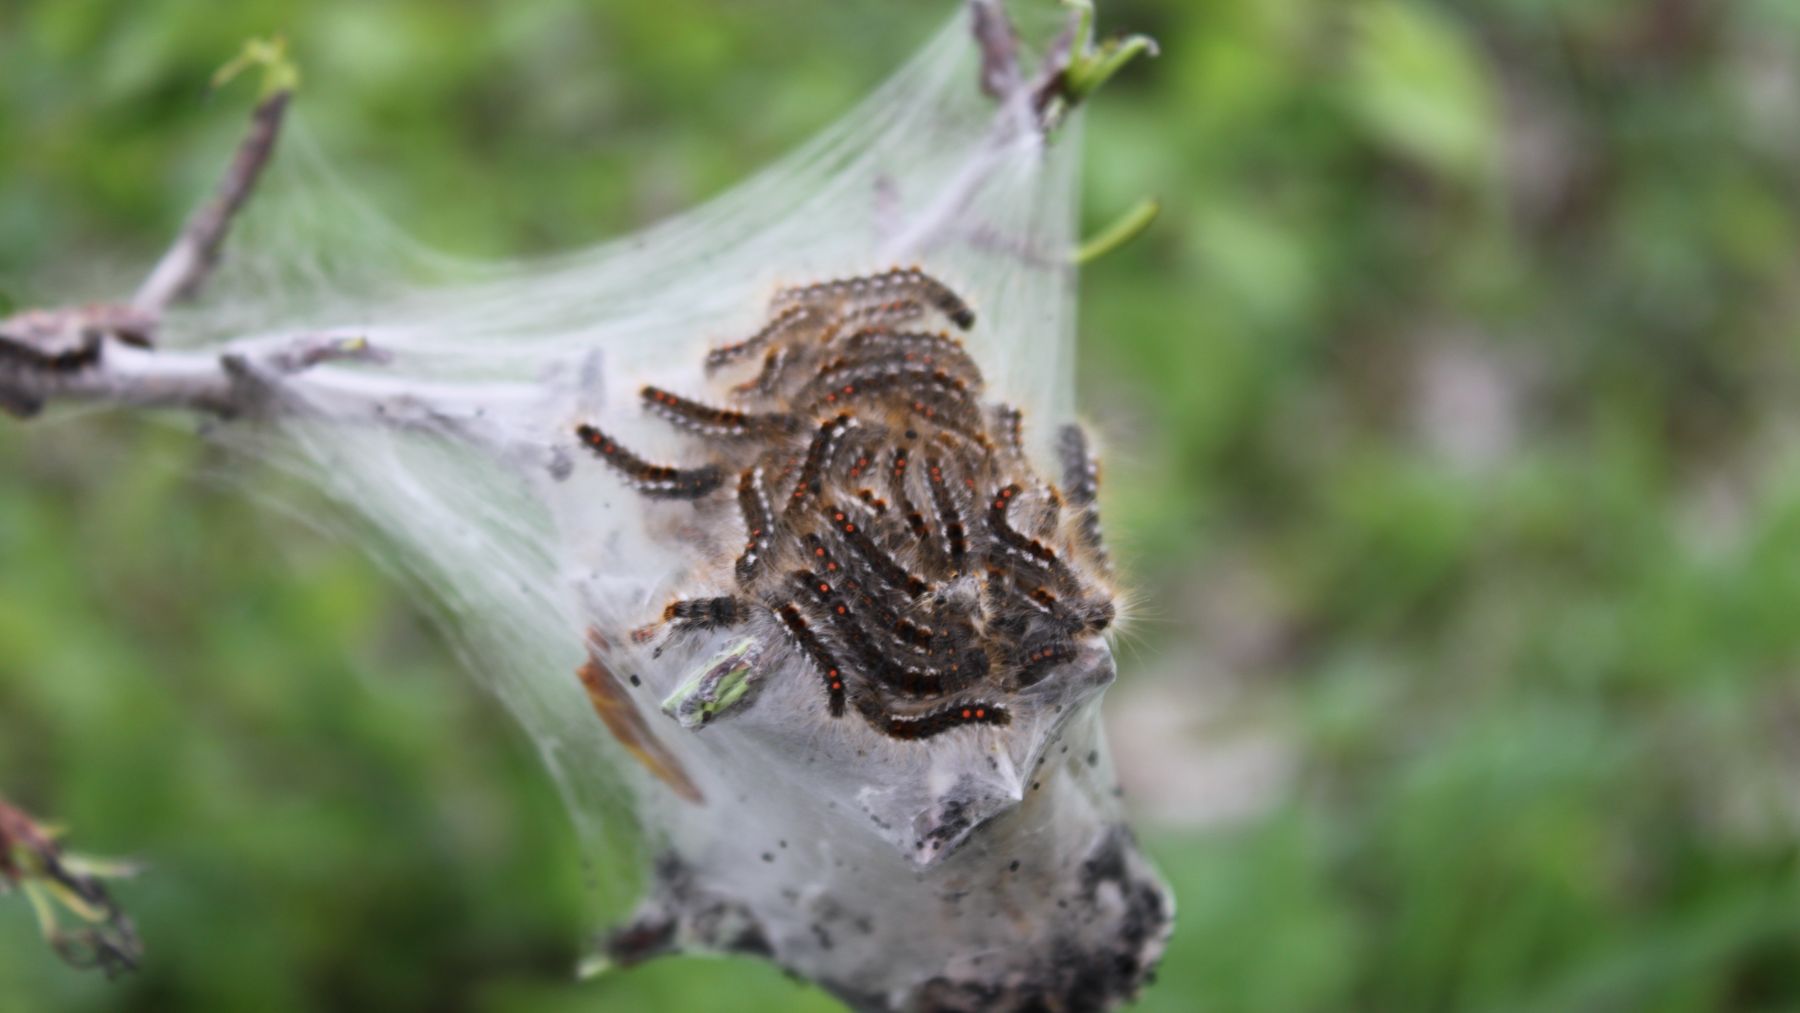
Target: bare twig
[999,48]
[61,341]
[247,378]
[1020,118]
[1030,110]
[100,353]
[1003,80]
[188,263]
[1072,66]
[64,351]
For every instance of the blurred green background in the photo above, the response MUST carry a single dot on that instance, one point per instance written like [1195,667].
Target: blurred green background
[1454,407]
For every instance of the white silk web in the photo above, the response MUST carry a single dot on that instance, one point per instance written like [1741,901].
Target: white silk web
[770,832]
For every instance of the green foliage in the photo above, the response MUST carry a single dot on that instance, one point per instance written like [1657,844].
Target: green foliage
[1459,366]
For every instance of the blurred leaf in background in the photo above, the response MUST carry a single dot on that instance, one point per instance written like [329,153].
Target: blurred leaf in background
[1453,452]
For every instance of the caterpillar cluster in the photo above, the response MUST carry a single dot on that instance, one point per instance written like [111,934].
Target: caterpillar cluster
[893,530]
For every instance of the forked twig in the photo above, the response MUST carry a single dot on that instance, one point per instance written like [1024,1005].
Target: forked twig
[104,353]
[999,45]
[101,353]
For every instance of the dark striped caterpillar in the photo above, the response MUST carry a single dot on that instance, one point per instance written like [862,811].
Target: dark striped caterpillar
[894,532]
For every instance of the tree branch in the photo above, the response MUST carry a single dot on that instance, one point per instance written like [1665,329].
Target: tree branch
[102,353]
[87,352]
[999,45]
[249,378]
[191,259]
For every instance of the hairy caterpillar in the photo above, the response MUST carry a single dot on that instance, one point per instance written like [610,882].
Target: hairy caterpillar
[904,614]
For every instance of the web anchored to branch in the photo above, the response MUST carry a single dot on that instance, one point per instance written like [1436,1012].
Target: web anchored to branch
[788,552]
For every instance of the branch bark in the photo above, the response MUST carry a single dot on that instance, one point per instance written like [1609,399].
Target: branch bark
[190,260]
[104,353]
[999,45]
[101,353]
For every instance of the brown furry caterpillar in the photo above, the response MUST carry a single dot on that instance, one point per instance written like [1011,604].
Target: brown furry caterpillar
[893,530]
